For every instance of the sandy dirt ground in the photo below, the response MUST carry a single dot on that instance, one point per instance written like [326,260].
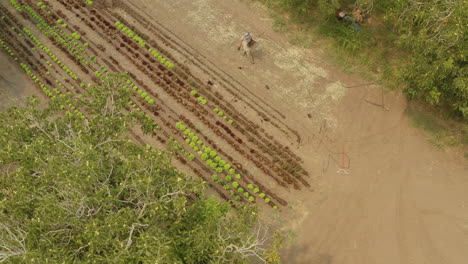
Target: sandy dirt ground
[403,201]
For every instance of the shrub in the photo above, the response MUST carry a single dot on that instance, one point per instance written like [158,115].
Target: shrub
[204,156]
[208,162]
[240,189]
[230,121]
[219,170]
[213,154]
[216,110]
[227,167]
[267,200]
[235,185]
[222,163]
[226,187]
[199,142]
[250,186]
[220,113]
[213,165]
[251,199]
[238,176]
[256,190]
[262,195]
[215,177]
[275,207]
[238,198]
[232,171]
[232,193]
[217,159]
[246,195]
[220,181]
[228,178]
[191,157]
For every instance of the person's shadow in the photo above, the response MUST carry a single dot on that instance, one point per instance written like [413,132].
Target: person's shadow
[257,52]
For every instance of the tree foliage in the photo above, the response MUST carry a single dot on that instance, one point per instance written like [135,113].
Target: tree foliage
[433,32]
[78,191]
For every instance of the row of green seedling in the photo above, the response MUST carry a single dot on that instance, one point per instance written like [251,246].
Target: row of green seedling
[50,53]
[73,110]
[47,30]
[148,123]
[216,163]
[142,44]
[200,99]
[130,34]
[16,5]
[203,101]
[221,114]
[140,92]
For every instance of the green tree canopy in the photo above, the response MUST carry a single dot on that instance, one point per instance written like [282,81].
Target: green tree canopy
[76,190]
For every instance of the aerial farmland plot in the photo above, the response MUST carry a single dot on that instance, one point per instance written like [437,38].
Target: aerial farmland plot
[321,153]
[64,46]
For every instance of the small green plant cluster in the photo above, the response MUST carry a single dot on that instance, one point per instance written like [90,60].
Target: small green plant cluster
[130,33]
[89,2]
[140,92]
[221,114]
[99,75]
[200,99]
[76,35]
[41,5]
[161,59]
[93,58]
[16,5]
[7,49]
[34,77]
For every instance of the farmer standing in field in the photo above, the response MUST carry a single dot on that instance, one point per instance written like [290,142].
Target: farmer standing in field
[247,43]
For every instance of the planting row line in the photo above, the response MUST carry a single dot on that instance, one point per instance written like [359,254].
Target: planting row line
[202,64]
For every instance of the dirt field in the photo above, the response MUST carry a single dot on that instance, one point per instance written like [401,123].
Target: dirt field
[14,88]
[402,201]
